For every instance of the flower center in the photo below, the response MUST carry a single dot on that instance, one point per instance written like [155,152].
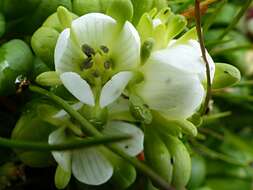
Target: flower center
[97,60]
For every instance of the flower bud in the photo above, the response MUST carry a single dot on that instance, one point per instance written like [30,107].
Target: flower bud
[49,78]
[81,7]
[121,10]
[225,75]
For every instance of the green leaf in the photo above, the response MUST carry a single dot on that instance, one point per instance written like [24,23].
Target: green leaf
[2,24]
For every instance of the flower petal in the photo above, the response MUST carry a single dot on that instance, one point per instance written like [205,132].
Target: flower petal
[114,88]
[78,87]
[67,56]
[132,146]
[94,29]
[168,88]
[63,158]
[63,113]
[126,48]
[187,57]
[89,166]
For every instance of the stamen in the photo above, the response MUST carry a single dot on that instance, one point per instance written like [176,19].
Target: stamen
[87,50]
[104,49]
[88,63]
[107,64]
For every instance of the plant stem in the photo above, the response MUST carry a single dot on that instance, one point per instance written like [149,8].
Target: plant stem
[73,144]
[236,19]
[203,50]
[89,129]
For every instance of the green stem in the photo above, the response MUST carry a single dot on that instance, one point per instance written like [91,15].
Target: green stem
[215,155]
[73,144]
[203,50]
[92,131]
[236,19]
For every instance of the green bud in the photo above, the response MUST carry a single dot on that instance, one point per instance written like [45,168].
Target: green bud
[2,24]
[64,17]
[145,27]
[43,43]
[49,78]
[81,7]
[181,161]
[121,10]
[176,24]
[38,67]
[31,126]
[139,110]
[198,172]
[186,126]
[189,35]
[141,7]
[225,75]
[157,154]
[159,4]
[16,59]
[146,49]
[61,178]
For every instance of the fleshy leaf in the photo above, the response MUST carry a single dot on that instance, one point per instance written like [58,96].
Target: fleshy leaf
[121,10]
[114,88]
[61,178]
[89,166]
[63,158]
[49,78]
[225,75]
[78,87]
[132,146]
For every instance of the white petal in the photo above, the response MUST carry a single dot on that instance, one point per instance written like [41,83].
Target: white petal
[125,52]
[67,55]
[114,88]
[187,57]
[63,113]
[94,29]
[89,166]
[78,87]
[170,89]
[63,158]
[132,146]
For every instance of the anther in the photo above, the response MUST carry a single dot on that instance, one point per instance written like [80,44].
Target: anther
[87,50]
[104,49]
[87,63]
[107,64]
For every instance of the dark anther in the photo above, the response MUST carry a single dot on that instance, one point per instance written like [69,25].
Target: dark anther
[126,147]
[104,49]
[21,84]
[167,10]
[89,51]
[96,73]
[87,63]
[107,64]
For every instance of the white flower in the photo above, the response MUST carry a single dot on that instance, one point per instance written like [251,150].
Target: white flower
[96,48]
[89,165]
[174,80]
[102,35]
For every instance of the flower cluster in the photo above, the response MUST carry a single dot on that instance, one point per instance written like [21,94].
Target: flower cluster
[120,73]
